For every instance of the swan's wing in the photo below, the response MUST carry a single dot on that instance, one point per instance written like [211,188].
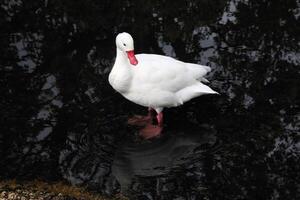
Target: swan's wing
[162,72]
[168,73]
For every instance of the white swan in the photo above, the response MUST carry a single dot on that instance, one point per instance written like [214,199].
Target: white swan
[155,81]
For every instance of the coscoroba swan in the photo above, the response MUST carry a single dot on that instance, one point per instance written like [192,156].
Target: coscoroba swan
[155,81]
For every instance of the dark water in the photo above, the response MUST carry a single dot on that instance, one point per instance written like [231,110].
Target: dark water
[60,119]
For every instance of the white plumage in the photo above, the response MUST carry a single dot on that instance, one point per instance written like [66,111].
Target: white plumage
[156,81]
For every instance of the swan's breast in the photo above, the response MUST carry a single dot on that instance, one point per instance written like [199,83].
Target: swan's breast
[120,80]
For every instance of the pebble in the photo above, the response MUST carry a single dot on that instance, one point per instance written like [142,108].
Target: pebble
[28,195]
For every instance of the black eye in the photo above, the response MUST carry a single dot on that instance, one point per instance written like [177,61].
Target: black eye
[124,44]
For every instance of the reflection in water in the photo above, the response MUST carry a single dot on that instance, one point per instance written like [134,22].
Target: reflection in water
[160,156]
[108,165]
[61,119]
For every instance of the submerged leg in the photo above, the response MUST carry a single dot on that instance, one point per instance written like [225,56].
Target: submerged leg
[139,120]
[151,130]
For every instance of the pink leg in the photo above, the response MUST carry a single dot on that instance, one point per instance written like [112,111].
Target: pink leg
[151,131]
[160,118]
[138,120]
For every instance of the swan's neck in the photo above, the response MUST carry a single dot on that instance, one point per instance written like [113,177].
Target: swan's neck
[121,58]
[121,75]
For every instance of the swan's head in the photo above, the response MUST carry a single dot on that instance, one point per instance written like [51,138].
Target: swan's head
[124,42]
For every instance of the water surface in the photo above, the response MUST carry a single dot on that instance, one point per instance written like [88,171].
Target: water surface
[60,119]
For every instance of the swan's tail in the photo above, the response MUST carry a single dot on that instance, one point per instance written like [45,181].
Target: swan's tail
[193,91]
[198,71]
